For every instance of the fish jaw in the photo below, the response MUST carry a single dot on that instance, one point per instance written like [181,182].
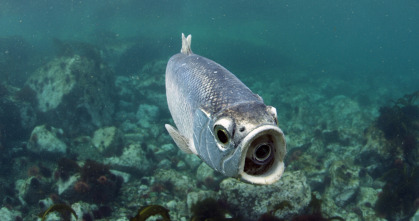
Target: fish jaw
[260,174]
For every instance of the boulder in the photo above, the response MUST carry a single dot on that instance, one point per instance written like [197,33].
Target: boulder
[285,198]
[74,93]
[108,141]
[8,214]
[45,139]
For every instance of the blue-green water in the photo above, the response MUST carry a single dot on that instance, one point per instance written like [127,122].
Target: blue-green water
[327,66]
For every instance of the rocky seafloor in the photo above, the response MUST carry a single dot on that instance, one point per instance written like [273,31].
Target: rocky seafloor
[78,133]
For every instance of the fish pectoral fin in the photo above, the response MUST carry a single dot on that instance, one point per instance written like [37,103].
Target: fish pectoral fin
[181,141]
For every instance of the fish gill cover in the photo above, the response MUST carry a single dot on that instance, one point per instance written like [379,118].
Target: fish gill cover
[83,106]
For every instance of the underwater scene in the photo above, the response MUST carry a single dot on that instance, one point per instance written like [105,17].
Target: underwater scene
[84,102]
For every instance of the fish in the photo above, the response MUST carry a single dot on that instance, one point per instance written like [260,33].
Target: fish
[219,119]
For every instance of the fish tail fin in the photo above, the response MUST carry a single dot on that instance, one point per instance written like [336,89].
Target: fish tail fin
[186,45]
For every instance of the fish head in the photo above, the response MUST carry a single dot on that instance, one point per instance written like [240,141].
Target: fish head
[244,141]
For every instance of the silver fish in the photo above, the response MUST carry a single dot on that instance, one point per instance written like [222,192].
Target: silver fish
[221,120]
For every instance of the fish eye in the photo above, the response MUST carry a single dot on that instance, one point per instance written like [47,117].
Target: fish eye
[221,134]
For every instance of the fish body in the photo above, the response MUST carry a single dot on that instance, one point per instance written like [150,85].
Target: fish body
[221,120]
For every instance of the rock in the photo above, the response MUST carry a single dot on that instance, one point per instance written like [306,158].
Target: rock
[66,188]
[146,86]
[108,141]
[194,197]
[45,140]
[366,201]
[133,159]
[415,217]
[82,209]
[165,150]
[180,184]
[208,176]
[125,176]
[192,160]
[75,87]
[344,186]
[9,215]
[45,203]
[32,190]
[181,165]
[147,115]
[255,200]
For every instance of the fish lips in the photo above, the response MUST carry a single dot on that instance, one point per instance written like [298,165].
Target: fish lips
[238,163]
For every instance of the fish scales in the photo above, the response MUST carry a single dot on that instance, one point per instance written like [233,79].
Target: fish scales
[207,84]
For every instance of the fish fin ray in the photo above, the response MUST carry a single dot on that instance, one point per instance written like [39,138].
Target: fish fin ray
[186,45]
[181,141]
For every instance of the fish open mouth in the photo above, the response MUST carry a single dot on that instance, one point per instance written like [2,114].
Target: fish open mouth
[263,151]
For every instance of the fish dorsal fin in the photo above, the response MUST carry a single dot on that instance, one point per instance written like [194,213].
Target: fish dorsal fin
[181,141]
[186,45]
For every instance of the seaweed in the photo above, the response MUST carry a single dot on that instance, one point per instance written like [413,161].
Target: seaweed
[400,123]
[398,197]
[64,209]
[145,212]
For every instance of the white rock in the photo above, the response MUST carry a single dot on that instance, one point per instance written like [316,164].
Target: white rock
[45,139]
[125,176]
[108,140]
[9,215]
[82,208]
[52,82]
[132,156]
